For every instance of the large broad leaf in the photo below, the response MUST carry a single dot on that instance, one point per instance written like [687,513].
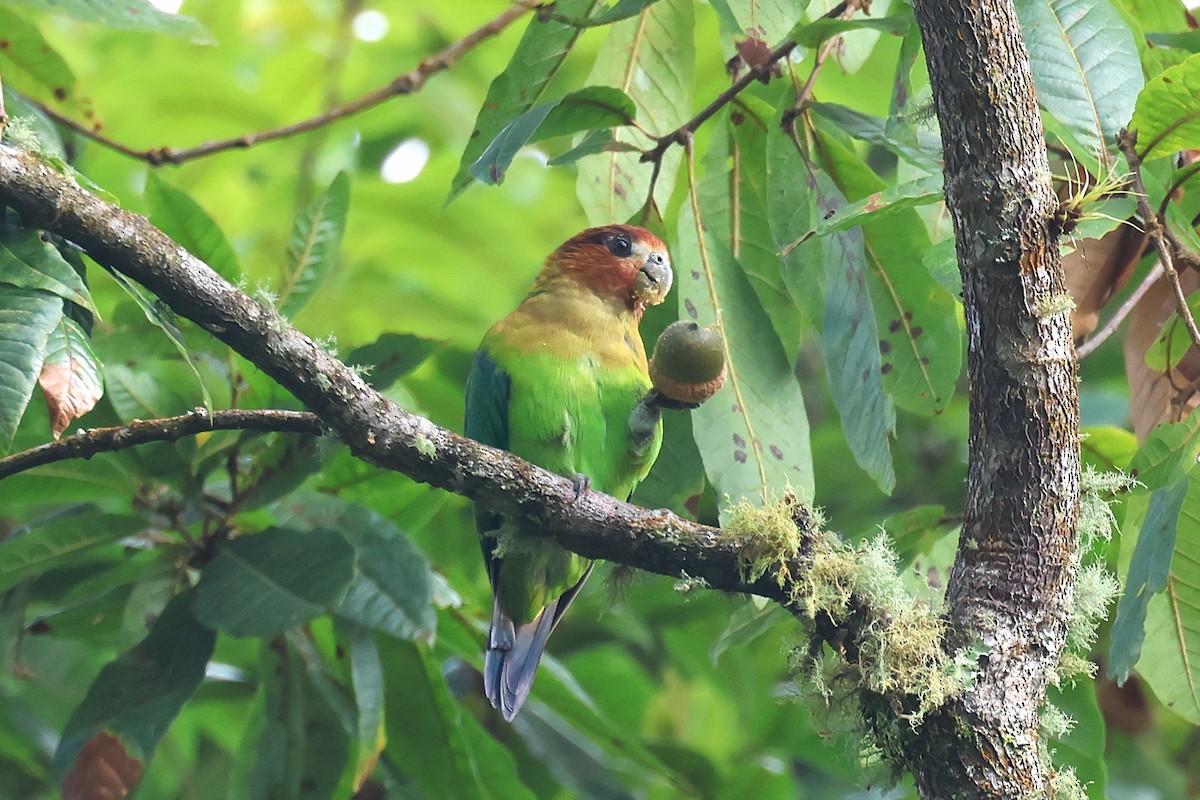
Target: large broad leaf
[112,734]
[1167,118]
[850,345]
[811,34]
[920,343]
[180,217]
[769,21]
[590,108]
[59,543]
[392,588]
[1148,571]
[266,583]
[538,57]
[1168,454]
[25,46]
[1170,652]
[134,15]
[71,379]
[1086,69]
[314,245]
[651,58]
[367,679]
[733,203]
[300,743]
[753,434]
[164,319]
[29,262]
[27,316]
[915,146]
[391,357]
[448,754]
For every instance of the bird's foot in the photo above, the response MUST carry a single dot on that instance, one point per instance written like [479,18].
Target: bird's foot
[581,483]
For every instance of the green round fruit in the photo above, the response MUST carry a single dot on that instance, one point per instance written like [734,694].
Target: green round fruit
[688,363]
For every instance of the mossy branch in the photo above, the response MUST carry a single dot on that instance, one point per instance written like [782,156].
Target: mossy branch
[852,596]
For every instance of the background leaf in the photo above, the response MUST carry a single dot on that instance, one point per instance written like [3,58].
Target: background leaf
[1087,72]
[266,583]
[651,58]
[27,316]
[313,247]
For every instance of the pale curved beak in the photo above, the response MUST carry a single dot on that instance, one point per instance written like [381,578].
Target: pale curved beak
[654,279]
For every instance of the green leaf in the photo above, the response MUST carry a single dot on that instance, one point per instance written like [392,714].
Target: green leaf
[1148,571]
[747,623]
[25,46]
[448,754]
[60,542]
[314,245]
[921,149]
[1168,454]
[811,34]
[153,388]
[162,318]
[898,197]
[593,143]
[131,15]
[1189,40]
[27,316]
[733,198]
[179,216]
[769,20]
[622,9]
[278,767]
[590,108]
[391,357]
[131,703]
[366,675]
[753,434]
[540,53]
[1082,748]
[850,346]
[30,263]
[392,587]
[70,378]
[1167,118]
[1086,69]
[263,584]
[1170,661]
[920,342]
[651,58]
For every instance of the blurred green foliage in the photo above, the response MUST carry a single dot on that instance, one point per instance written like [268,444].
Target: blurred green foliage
[349,605]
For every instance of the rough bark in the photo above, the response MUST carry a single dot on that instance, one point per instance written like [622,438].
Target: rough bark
[1012,584]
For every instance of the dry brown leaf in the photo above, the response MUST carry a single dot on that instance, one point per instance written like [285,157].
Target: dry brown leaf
[1097,270]
[1151,391]
[69,393]
[103,770]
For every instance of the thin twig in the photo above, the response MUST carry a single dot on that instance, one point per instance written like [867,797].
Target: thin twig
[760,71]
[1110,327]
[406,84]
[86,444]
[1169,246]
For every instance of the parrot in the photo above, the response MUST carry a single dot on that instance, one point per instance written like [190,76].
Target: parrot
[559,382]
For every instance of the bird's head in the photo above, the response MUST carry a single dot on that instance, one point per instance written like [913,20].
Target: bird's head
[619,263]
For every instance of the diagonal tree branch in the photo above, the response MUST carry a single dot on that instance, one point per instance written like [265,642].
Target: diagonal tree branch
[376,429]
[86,444]
[410,82]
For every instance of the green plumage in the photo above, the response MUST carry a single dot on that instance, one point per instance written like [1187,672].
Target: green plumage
[555,383]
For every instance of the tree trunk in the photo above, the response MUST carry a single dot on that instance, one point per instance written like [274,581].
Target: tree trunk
[1011,588]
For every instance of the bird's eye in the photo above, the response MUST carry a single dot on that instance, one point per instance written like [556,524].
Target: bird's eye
[620,247]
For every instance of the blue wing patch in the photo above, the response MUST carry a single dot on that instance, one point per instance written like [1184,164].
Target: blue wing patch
[488,389]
